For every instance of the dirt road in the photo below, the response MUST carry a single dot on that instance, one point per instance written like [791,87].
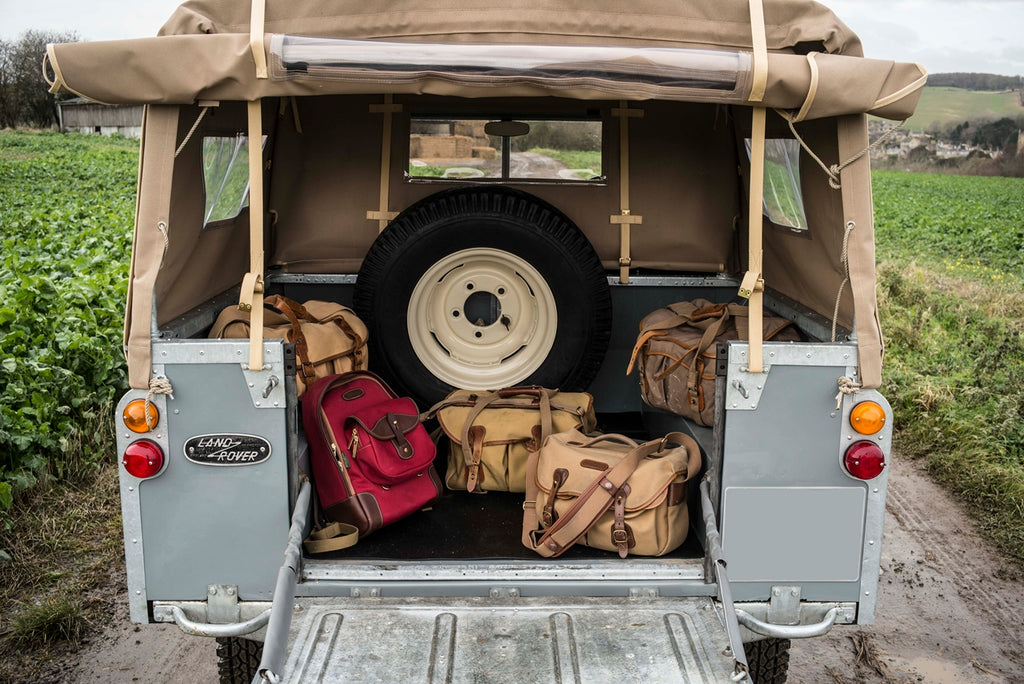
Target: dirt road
[950,611]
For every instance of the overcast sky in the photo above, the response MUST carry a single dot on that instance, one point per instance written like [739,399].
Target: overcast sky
[943,35]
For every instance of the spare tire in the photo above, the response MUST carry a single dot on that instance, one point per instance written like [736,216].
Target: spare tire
[483,288]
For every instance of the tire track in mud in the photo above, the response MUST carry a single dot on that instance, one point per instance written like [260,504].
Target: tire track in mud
[973,577]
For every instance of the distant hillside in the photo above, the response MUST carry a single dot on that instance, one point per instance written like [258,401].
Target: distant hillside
[989,82]
[949,105]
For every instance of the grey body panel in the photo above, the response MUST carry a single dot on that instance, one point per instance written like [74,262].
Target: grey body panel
[544,640]
[790,512]
[207,524]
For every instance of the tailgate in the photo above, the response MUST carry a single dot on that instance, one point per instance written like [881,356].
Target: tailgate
[526,640]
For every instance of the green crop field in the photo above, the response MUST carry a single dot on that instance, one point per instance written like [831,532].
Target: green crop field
[66,214]
[951,291]
[956,105]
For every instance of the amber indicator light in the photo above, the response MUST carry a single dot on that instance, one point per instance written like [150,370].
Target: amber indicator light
[135,415]
[867,418]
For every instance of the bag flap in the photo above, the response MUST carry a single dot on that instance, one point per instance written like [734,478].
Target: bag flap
[387,442]
[648,484]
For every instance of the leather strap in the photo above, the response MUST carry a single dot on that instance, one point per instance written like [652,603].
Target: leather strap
[597,498]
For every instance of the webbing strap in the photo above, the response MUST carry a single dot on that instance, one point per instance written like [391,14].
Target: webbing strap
[759,41]
[624,219]
[251,298]
[382,215]
[752,286]
[256,21]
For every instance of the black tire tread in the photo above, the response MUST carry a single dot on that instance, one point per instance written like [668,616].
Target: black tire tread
[768,660]
[545,220]
[238,659]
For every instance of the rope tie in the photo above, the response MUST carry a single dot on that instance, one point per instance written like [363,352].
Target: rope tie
[844,259]
[846,387]
[191,132]
[835,170]
[158,385]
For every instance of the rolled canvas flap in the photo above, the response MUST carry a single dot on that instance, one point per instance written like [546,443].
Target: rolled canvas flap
[184,69]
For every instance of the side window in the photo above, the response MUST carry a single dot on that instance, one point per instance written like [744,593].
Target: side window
[225,177]
[783,199]
[534,150]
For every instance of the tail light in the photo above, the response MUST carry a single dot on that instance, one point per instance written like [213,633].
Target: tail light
[867,418]
[143,459]
[139,417]
[864,460]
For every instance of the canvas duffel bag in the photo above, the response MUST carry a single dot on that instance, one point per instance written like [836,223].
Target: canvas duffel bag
[372,459]
[490,434]
[676,351]
[329,338]
[609,492]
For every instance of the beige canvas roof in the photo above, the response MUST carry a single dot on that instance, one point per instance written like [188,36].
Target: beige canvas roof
[799,60]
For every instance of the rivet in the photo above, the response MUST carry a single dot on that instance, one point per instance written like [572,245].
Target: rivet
[202,353]
[176,411]
[251,385]
[257,403]
[138,593]
[131,489]
[794,592]
[871,542]
[213,591]
[231,591]
[867,593]
[135,541]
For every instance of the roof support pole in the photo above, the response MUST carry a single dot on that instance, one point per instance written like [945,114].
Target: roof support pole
[383,216]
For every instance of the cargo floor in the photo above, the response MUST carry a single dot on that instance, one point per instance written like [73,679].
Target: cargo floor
[462,526]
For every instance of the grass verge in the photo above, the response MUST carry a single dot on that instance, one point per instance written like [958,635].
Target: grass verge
[64,542]
[954,373]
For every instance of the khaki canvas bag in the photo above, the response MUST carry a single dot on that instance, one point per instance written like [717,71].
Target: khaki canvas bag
[676,351]
[329,338]
[609,492]
[491,434]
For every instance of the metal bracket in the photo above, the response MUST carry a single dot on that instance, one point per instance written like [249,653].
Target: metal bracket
[265,386]
[222,603]
[643,592]
[744,390]
[784,606]
[364,592]
[504,592]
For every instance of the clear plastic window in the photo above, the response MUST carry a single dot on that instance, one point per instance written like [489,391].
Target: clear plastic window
[783,198]
[541,150]
[225,176]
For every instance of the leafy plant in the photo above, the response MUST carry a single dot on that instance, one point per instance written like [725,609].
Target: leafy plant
[65,236]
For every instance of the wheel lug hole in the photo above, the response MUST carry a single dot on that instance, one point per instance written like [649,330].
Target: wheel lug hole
[501,290]
[478,334]
[455,314]
[469,286]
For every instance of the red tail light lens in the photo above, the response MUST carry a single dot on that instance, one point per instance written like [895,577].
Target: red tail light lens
[864,460]
[143,459]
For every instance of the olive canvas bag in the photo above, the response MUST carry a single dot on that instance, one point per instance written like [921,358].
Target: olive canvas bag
[490,434]
[676,352]
[609,492]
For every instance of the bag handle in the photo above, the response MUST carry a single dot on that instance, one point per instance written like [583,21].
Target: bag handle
[597,498]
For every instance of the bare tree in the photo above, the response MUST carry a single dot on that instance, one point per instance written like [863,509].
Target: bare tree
[24,96]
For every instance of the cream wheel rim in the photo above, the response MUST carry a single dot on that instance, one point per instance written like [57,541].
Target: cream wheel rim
[482,318]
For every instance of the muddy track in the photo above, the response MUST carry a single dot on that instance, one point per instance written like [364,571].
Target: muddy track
[950,612]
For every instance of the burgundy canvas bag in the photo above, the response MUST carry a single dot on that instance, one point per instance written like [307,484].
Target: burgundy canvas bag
[372,459]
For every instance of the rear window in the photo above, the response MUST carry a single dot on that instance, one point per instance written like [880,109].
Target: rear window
[567,151]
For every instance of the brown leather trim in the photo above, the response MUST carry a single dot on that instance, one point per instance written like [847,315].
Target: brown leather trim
[593,465]
[676,493]
[360,510]
[353,394]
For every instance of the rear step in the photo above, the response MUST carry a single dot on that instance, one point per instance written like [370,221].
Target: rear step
[483,640]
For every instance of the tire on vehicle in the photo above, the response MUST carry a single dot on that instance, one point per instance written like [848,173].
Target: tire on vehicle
[483,288]
[238,659]
[768,660]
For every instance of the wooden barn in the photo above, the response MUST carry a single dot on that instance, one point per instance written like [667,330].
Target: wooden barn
[80,115]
